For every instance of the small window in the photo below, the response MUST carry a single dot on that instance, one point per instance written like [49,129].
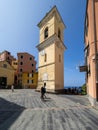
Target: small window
[89,69]
[27,81]
[86,25]
[59,58]
[28,74]
[59,33]
[21,57]
[8,53]
[45,57]
[32,64]
[32,81]
[5,65]
[20,70]
[21,63]
[32,71]
[30,58]
[46,33]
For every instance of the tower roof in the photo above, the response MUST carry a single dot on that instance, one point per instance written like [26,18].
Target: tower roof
[55,11]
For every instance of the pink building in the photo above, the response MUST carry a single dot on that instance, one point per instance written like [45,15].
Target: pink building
[91,50]
[26,64]
[6,56]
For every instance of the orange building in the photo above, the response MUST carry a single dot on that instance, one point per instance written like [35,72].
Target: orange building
[91,50]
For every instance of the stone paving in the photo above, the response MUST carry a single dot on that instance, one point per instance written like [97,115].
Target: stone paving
[24,110]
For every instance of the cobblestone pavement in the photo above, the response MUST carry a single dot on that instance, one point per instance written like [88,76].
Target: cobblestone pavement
[24,110]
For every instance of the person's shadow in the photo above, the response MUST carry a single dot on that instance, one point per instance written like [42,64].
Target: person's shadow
[46,99]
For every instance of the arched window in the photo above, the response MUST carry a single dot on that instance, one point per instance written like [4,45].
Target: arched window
[46,33]
[59,33]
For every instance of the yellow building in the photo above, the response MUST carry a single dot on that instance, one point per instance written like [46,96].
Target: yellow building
[15,64]
[6,74]
[51,51]
[29,80]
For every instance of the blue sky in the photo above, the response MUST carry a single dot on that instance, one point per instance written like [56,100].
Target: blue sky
[19,31]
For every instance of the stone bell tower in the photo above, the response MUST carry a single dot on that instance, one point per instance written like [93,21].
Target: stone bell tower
[51,51]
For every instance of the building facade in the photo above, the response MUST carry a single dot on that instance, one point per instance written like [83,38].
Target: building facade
[29,80]
[51,51]
[91,50]
[6,74]
[26,70]
[15,66]
[6,56]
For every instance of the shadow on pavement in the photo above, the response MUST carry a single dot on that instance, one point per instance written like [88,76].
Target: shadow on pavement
[78,99]
[9,112]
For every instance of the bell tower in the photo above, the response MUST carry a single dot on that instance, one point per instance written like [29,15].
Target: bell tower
[51,51]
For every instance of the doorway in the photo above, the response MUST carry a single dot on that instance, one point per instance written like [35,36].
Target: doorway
[3,82]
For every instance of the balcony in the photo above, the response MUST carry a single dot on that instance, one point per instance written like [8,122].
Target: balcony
[83,68]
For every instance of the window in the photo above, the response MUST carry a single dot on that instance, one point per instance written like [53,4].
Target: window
[86,25]
[46,33]
[32,71]
[89,69]
[59,58]
[59,33]
[21,63]
[5,65]
[32,64]
[87,50]
[45,57]
[30,58]
[28,74]
[30,81]
[20,70]
[15,63]
[8,53]
[21,57]
[27,81]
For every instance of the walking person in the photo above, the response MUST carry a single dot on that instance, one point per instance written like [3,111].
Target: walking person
[12,87]
[43,91]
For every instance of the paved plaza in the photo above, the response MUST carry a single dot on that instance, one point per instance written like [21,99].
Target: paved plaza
[24,110]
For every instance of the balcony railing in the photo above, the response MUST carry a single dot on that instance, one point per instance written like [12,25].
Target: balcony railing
[83,68]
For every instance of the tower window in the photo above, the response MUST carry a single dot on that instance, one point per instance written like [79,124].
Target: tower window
[46,33]
[45,58]
[59,58]
[59,33]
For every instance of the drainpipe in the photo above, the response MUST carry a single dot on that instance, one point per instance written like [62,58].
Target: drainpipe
[95,43]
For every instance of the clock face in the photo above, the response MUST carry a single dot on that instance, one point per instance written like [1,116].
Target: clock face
[42,52]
